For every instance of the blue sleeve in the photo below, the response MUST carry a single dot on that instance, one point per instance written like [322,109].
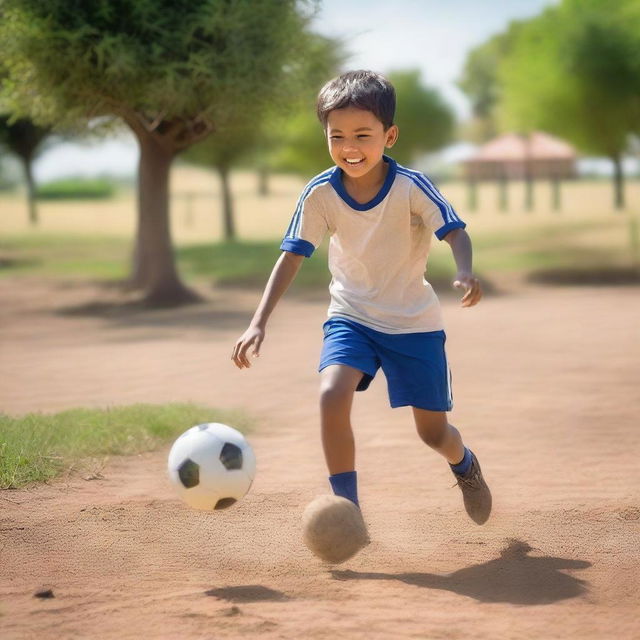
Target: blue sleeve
[299,246]
[308,225]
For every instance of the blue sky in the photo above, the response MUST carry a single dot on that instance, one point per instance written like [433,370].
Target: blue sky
[431,35]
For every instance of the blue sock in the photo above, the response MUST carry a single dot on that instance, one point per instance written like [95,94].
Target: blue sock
[463,466]
[345,485]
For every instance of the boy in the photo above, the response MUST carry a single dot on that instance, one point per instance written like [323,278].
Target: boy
[383,313]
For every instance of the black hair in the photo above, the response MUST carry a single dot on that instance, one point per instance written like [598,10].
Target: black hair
[362,89]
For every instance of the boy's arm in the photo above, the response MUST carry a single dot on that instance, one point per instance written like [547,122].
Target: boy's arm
[283,274]
[460,243]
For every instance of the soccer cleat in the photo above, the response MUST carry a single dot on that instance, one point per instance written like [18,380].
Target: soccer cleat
[475,492]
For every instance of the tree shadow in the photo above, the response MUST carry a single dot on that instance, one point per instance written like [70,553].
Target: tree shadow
[248,593]
[586,276]
[513,577]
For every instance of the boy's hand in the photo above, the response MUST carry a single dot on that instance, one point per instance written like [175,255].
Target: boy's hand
[252,336]
[472,287]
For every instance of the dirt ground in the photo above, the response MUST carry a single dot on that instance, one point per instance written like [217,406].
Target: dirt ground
[546,393]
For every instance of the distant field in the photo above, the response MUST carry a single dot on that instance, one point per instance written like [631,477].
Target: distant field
[94,236]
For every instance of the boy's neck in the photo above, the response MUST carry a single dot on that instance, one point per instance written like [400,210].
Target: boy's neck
[366,187]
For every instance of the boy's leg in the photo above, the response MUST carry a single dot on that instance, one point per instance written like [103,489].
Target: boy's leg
[338,385]
[435,430]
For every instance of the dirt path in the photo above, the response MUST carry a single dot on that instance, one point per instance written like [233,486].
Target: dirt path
[546,388]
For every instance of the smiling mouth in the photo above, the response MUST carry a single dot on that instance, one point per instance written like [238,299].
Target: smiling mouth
[352,162]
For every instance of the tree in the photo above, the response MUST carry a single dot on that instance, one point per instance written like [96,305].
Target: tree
[222,151]
[425,120]
[172,71]
[480,82]
[24,138]
[256,138]
[574,71]
[292,140]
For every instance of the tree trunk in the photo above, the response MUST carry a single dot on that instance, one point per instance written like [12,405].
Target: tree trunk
[263,182]
[556,196]
[618,182]
[503,194]
[154,268]
[31,190]
[472,191]
[528,193]
[229,229]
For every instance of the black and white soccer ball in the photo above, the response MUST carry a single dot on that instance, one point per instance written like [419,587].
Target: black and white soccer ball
[211,466]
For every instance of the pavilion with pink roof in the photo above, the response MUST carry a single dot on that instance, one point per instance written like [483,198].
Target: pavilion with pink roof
[514,156]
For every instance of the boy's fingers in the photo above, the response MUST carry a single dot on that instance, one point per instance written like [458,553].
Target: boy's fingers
[243,354]
[238,354]
[472,296]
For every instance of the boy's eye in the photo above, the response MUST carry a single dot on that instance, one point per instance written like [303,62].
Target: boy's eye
[363,135]
[335,137]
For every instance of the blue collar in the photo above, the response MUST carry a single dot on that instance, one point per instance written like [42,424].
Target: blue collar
[336,183]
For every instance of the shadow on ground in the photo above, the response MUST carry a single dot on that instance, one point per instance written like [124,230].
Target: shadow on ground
[514,577]
[586,277]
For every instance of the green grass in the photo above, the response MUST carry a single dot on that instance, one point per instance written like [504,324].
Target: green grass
[77,189]
[37,447]
[541,246]
[243,264]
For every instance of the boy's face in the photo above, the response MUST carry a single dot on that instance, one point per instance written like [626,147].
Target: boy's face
[357,140]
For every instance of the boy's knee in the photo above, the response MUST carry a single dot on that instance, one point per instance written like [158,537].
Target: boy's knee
[334,394]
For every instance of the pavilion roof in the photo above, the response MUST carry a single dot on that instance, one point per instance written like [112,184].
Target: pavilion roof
[516,147]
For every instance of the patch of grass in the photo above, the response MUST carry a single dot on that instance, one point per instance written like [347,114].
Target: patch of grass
[76,189]
[598,244]
[95,257]
[553,246]
[37,447]
[247,263]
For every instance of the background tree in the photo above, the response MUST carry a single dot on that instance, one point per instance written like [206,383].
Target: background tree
[173,72]
[223,151]
[24,139]
[256,137]
[573,71]
[480,83]
[292,140]
[425,120]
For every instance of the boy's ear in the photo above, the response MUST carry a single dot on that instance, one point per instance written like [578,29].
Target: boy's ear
[391,136]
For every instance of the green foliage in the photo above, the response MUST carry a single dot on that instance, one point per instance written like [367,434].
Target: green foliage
[160,59]
[480,82]
[22,137]
[37,447]
[77,189]
[425,120]
[292,141]
[574,71]
[302,147]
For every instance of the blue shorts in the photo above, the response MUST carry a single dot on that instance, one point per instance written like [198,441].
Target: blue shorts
[415,364]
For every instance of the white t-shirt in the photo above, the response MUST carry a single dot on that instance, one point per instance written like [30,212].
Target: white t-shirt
[378,250]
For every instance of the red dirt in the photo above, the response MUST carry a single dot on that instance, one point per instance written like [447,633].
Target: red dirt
[546,389]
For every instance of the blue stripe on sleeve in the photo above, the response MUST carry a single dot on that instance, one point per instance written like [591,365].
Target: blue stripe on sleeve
[294,227]
[426,186]
[299,246]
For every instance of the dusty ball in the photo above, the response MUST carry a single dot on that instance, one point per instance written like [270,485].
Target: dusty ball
[333,528]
